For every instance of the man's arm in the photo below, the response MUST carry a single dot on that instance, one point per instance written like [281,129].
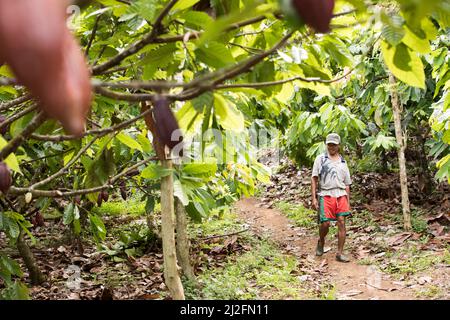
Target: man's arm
[314,184]
[347,188]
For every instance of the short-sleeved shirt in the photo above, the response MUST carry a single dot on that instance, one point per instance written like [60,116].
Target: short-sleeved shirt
[334,176]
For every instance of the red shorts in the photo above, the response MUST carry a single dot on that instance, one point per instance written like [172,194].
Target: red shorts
[330,208]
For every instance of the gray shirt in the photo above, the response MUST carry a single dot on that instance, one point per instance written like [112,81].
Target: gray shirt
[334,176]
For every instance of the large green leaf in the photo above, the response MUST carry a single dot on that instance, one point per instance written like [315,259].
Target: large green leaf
[129,141]
[100,169]
[97,227]
[11,160]
[215,54]
[155,171]
[404,64]
[229,117]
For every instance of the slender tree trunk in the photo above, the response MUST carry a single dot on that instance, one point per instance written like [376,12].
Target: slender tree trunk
[172,278]
[36,275]
[401,140]
[183,245]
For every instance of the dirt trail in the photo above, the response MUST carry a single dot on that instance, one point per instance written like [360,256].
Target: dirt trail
[352,281]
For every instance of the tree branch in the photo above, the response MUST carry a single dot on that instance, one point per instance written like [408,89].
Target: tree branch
[17,115]
[15,102]
[157,26]
[102,132]
[59,193]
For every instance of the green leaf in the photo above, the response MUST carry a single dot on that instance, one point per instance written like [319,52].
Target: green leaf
[11,160]
[17,291]
[215,54]
[149,205]
[196,19]
[97,227]
[8,223]
[68,214]
[404,64]
[229,117]
[99,170]
[393,31]
[202,101]
[184,4]
[129,141]
[179,192]
[154,172]
[10,266]
[416,43]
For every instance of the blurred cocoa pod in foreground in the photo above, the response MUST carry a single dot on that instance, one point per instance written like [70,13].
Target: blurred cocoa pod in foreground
[5,178]
[315,13]
[46,58]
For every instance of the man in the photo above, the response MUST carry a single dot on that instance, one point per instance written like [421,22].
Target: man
[331,174]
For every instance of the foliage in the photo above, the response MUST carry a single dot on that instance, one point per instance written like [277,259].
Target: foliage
[237,63]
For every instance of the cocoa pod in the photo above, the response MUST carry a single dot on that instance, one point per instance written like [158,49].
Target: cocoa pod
[5,178]
[99,199]
[45,57]
[165,122]
[315,13]
[38,220]
[123,193]
[4,129]
[105,196]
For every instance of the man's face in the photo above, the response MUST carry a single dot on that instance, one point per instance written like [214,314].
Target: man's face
[332,148]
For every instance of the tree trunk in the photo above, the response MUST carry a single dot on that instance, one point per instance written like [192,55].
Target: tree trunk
[401,140]
[183,245]
[172,278]
[36,275]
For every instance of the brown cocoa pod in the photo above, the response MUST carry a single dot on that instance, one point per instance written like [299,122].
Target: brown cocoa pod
[5,178]
[38,220]
[3,130]
[315,13]
[45,57]
[165,123]
[123,193]
[100,199]
[105,196]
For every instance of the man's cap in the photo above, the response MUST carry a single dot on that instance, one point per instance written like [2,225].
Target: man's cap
[333,138]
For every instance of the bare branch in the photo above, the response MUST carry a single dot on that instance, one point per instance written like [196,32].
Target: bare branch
[15,102]
[102,132]
[17,115]
[58,193]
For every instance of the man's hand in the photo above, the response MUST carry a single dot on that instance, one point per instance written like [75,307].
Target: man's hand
[315,204]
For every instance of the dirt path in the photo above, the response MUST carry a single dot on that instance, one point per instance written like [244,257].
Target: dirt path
[352,281]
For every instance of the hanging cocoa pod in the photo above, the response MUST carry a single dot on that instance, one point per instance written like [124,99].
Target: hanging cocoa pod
[105,196]
[165,123]
[99,199]
[123,190]
[315,13]
[45,57]
[5,178]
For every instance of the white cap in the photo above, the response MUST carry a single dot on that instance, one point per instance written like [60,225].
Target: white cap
[333,138]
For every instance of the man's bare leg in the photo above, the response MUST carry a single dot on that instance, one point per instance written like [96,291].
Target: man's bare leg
[323,231]
[341,239]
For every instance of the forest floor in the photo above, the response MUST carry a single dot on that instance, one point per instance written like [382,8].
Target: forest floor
[261,248]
